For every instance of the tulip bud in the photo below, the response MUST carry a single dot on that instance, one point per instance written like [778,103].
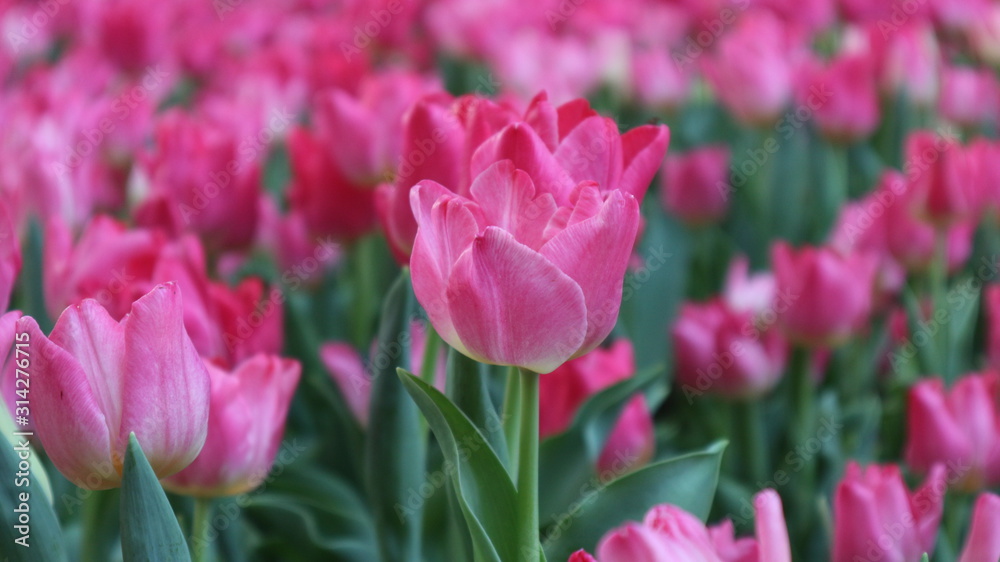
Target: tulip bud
[983,542]
[696,184]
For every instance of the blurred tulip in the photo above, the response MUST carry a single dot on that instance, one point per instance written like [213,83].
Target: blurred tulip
[969,96]
[668,533]
[97,380]
[372,120]
[246,420]
[10,258]
[908,61]
[631,442]
[877,518]
[843,96]
[696,184]
[940,173]
[321,194]
[826,296]
[8,363]
[752,69]
[509,277]
[959,428]
[199,179]
[985,36]
[983,542]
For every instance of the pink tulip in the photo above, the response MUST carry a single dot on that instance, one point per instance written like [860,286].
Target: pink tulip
[725,351]
[752,68]
[828,296]
[843,96]
[959,428]
[201,180]
[10,258]
[985,36]
[329,202]
[908,60]
[510,277]
[372,120]
[670,534]
[744,292]
[96,381]
[940,173]
[246,421]
[877,518]
[983,542]
[557,146]
[8,366]
[631,442]
[658,81]
[959,16]
[696,184]
[969,96]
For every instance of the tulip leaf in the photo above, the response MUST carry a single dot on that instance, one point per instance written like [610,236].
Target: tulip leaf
[482,487]
[396,453]
[567,462]
[148,525]
[468,386]
[687,481]
[30,528]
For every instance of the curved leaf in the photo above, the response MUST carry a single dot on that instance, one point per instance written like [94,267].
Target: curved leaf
[149,527]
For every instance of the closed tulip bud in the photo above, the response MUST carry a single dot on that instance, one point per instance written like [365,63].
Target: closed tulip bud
[724,351]
[97,380]
[877,518]
[942,181]
[983,542]
[959,428]
[245,424]
[843,96]
[511,278]
[696,184]
[826,296]
[969,96]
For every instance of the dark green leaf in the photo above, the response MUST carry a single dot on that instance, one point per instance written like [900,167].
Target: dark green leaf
[149,527]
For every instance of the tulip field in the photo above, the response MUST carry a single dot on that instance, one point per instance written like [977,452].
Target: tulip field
[500,281]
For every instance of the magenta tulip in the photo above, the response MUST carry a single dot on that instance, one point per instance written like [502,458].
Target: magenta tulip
[96,380]
[843,95]
[10,257]
[959,428]
[670,534]
[877,518]
[828,295]
[509,277]
[942,186]
[246,421]
[696,184]
[983,542]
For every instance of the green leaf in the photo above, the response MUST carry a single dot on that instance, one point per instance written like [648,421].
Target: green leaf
[149,527]
[396,453]
[468,387]
[38,537]
[566,462]
[482,487]
[687,481]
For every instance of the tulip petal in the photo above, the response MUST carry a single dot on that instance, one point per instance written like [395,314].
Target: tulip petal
[96,342]
[643,149]
[595,254]
[348,371]
[167,389]
[447,228]
[511,306]
[507,198]
[983,542]
[521,144]
[67,418]
[593,151]
[770,527]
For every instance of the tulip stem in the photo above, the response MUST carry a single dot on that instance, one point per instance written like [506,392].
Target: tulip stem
[428,365]
[199,530]
[750,432]
[939,286]
[512,420]
[801,430]
[527,468]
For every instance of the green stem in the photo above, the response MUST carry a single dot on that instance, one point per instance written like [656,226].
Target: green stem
[753,441]
[527,468]
[428,365]
[836,189]
[803,411]
[200,527]
[939,287]
[512,419]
